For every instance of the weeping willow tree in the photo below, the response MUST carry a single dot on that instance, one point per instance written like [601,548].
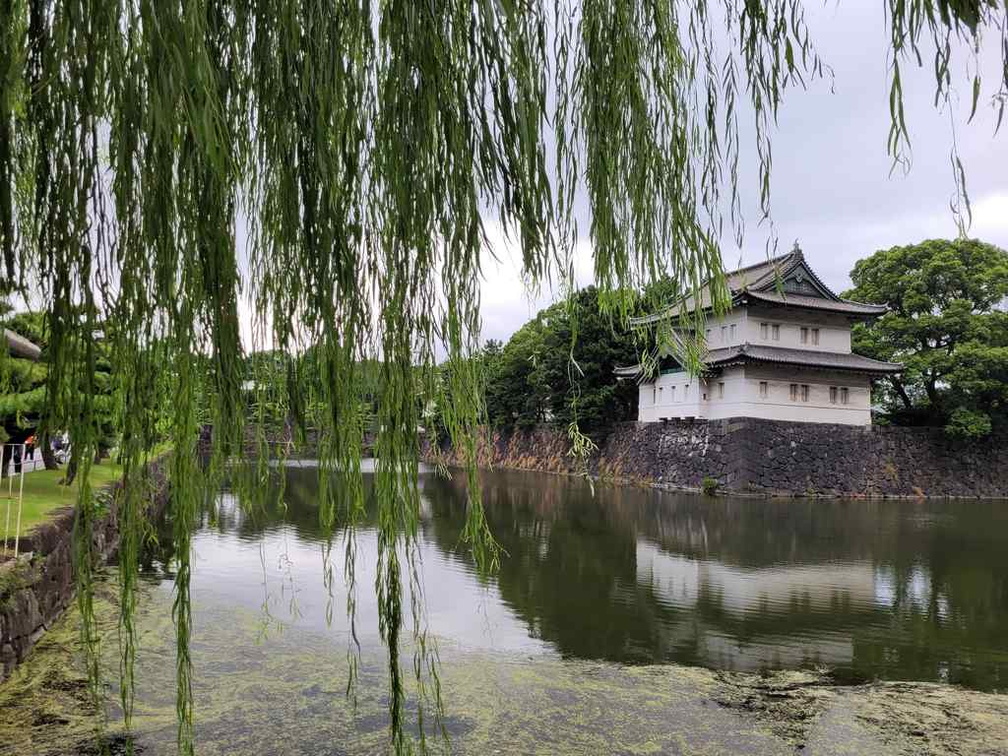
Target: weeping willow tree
[334,163]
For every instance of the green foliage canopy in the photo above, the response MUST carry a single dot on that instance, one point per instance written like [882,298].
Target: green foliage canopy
[944,324]
[22,389]
[559,366]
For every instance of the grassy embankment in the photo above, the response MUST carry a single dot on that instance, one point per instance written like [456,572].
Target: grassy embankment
[43,493]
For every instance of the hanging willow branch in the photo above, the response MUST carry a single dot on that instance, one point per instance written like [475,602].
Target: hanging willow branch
[334,163]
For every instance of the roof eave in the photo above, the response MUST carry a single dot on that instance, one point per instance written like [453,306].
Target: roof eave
[630,371]
[840,307]
[19,346]
[739,359]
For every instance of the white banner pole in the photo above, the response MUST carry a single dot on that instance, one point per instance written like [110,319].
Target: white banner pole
[17,533]
[6,534]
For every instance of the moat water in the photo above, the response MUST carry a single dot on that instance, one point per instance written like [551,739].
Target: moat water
[909,590]
[590,638]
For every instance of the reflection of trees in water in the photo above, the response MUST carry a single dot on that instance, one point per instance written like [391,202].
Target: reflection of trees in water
[903,589]
[289,499]
[915,590]
[567,572]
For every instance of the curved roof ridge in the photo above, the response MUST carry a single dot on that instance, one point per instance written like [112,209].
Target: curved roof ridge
[817,303]
[775,274]
[761,263]
[758,281]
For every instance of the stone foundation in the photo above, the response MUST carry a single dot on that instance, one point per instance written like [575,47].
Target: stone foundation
[36,588]
[769,457]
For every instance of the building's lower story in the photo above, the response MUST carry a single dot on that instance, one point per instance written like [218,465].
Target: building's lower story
[771,383]
[771,392]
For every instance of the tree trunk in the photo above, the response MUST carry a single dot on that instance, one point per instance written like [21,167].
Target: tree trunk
[71,471]
[48,455]
[901,390]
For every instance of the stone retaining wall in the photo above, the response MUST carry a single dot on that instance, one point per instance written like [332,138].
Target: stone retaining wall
[36,589]
[769,457]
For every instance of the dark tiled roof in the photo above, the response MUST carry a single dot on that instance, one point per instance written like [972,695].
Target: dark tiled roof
[806,357]
[760,281]
[815,303]
[630,371]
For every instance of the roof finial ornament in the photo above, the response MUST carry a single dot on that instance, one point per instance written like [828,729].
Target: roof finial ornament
[796,250]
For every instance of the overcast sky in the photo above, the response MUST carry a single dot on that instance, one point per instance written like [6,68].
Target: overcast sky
[832,188]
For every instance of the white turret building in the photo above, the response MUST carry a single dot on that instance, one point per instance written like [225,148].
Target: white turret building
[781,352]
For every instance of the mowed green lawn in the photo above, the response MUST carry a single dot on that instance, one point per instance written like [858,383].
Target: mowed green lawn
[43,493]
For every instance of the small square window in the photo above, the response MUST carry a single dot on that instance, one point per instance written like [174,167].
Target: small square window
[654,396]
[724,334]
[673,395]
[763,330]
[833,394]
[720,390]
[804,335]
[776,333]
[685,392]
[708,334]
[763,389]
[732,331]
[815,336]
[794,392]
[804,392]
[844,395]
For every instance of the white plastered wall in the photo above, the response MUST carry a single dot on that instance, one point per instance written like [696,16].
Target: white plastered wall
[667,397]
[727,330]
[671,395]
[834,330]
[778,404]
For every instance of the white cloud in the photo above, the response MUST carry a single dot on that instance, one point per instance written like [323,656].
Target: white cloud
[990,219]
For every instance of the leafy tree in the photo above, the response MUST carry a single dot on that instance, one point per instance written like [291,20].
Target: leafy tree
[559,367]
[944,324]
[582,347]
[517,393]
[23,388]
[262,380]
[24,401]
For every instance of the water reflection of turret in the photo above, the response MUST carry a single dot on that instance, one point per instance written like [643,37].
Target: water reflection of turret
[743,583]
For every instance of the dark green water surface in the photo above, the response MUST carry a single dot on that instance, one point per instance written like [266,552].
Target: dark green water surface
[911,590]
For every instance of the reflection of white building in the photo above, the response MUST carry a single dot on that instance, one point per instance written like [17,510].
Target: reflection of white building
[682,581]
[781,352]
[738,594]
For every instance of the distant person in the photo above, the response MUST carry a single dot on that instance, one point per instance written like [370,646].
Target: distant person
[30,447]
[17,458]
[61,447]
